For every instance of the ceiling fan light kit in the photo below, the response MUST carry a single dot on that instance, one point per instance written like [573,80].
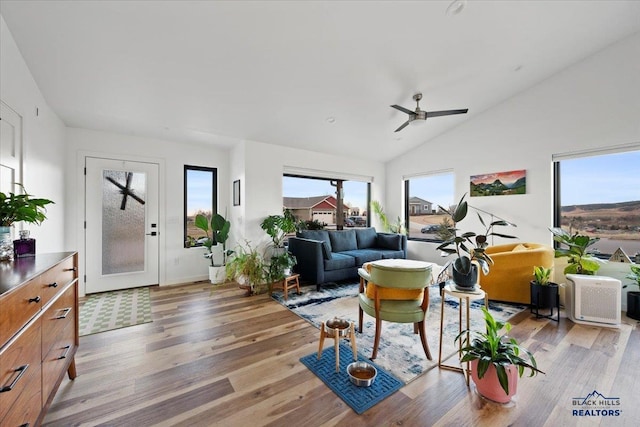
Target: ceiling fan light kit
[419,116]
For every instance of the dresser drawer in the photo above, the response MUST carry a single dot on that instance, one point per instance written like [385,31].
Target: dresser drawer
[56,361]
[20,372]
[18,307]
[57,316]
[56,279]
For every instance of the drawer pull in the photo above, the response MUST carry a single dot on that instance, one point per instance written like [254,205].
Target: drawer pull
[35,299]
[21,370]
[53,285]
[64,314]
[66,348]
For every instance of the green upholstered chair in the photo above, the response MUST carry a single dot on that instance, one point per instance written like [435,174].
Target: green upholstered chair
[395,294]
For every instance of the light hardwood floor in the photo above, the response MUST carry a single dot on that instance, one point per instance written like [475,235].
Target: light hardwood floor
[220,358]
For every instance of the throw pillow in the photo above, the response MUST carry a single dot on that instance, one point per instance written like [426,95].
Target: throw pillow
[326,250]
[389,241]
[366,237]
[322,235]
[343,240]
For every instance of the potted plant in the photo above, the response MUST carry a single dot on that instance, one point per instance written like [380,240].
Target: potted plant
[580,261]
[278,226]
[16,208]
[496,360]
[217,231]
[469,247]
[247,267]
[633,297]
[281,265]
[544,293]
[387,225]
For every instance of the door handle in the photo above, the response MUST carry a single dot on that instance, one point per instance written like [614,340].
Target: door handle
[153,233]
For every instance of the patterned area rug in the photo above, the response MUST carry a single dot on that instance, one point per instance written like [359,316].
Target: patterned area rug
[113,310]
[359,398]
[400,351]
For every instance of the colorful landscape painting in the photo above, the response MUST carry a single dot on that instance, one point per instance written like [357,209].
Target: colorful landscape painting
[499,183]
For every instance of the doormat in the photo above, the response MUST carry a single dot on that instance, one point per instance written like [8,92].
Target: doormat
[358,398]
[400,351]
[114,310]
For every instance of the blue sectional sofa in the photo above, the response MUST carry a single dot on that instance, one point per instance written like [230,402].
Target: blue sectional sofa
[331,255]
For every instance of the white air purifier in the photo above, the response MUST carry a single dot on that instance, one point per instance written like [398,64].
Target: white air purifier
[593,300]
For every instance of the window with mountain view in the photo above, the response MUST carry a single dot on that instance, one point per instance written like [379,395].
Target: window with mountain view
[313,201]
[599,196]
[423,195]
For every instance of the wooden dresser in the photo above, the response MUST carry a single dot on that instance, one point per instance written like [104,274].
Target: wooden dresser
[38,333]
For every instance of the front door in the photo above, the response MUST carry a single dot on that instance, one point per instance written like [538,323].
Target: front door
[121,231]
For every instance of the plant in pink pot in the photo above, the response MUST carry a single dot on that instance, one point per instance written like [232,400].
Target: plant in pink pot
[496,360]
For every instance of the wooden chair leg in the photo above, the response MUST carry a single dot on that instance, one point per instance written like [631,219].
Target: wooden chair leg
[359,318]
[376,341]
[423,338]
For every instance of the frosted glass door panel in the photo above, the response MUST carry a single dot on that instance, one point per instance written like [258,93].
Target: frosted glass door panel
[123,221]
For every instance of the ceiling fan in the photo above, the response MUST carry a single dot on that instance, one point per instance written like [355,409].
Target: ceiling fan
[423,115]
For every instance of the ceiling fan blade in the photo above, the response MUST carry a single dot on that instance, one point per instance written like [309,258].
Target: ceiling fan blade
[403,125]
[404,110]
[446,112]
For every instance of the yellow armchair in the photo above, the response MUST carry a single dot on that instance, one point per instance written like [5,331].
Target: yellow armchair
[512,270]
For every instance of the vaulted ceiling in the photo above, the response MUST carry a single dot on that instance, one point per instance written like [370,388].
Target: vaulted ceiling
[317,75]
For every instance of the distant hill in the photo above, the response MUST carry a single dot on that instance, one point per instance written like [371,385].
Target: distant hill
[622,206]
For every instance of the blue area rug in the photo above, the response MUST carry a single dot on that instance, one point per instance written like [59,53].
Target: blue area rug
[358,398]
[400,351]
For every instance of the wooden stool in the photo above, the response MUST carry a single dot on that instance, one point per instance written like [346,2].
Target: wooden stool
[335,329]
[286,284]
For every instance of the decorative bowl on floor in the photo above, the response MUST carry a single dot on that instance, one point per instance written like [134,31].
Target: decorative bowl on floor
[339,326]
[362,374]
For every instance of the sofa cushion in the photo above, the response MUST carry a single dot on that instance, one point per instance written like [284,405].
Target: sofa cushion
[344,240]
[322,235]
[339,261]
[389,241]
[326,250]
[366,237]
[389,254]
[364,255]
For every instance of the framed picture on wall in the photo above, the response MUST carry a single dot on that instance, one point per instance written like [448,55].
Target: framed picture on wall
[498,183]
[236,192]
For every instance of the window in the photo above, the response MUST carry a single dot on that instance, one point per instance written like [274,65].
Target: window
[314,200]
[599,195]
[200,197]
[423,195]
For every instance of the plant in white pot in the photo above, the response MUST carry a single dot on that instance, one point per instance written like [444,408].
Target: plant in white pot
[217,231]
[469,247]
[497,361]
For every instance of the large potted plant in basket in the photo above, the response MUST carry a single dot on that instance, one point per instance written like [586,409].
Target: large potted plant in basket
[497,361]
[633,297]
[469,247]
[15,208]
[217,231]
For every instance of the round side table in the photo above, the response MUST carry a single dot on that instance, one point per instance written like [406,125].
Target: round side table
[450,290]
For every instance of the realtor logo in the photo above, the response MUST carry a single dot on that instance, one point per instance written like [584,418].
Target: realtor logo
[596,405]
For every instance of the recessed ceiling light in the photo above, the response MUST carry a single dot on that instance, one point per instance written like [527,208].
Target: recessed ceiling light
[456,7]
[331,119]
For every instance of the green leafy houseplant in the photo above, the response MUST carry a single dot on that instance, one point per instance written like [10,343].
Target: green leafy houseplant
[387,225]
[280,263]
[634,275]
[278,226]
[246,264]
[217,231]
[491,348]
[541,275]
[22,207]
[469,246]
[580,261]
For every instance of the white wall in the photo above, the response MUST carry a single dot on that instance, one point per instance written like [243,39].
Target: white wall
[177,264]
[43,140]
[593,104]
